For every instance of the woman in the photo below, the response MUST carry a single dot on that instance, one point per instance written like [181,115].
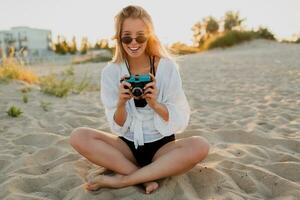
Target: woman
[143,147]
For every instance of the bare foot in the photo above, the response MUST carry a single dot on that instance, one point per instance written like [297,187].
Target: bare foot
[104,181]
[97,171]
[150,186]
[96,180]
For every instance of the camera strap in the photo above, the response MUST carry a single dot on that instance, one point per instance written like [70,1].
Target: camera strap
[152,65]
[127,65]
[152,69]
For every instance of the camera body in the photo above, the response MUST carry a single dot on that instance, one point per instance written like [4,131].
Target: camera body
[138,83]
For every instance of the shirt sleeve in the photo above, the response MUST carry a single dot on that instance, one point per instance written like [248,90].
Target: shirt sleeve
[109,96]
[176,102]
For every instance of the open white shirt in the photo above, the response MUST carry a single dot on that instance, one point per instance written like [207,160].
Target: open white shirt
[144,124]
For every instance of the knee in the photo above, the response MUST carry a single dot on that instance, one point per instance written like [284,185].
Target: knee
[199,148]
[77,137]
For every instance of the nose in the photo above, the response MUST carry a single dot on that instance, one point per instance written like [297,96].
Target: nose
[134,41]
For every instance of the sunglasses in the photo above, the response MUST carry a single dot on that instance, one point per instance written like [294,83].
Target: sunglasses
[139,39]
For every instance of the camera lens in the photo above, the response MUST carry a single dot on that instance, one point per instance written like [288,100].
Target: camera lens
[137,92]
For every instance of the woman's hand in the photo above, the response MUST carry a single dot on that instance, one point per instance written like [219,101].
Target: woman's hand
[150,92]
[124,92]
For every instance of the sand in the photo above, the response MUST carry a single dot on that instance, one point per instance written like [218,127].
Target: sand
[245,100]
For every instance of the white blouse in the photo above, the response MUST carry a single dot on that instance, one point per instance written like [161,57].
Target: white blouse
[143,124]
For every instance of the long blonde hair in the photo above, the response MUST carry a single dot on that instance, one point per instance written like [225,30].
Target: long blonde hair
[153,48]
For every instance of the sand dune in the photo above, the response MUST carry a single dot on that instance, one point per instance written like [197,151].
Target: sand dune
[245,100]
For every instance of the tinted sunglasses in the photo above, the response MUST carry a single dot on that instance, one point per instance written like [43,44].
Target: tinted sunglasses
[139,39]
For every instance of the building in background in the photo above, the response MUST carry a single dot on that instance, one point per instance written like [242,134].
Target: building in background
[35,42]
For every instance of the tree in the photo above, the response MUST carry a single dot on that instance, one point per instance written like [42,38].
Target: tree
[61,46]
[102,44]
[211,25]
[204,30]
[265,33]
[73,46]
[64,46]
[232,21]
[84,45]
[297,39]
[197,34]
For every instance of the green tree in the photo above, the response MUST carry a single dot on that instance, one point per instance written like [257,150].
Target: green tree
[211,25]
[84,45]
[197,29]
[64,46]
[297,39]
[265,33]
[73,46]
[232,20]
[61,46]
[102,44]
[204,30]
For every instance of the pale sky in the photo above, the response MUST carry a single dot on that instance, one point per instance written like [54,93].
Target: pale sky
[172,19]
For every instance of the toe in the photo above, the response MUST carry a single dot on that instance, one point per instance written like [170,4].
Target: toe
[150,188]
[91,187]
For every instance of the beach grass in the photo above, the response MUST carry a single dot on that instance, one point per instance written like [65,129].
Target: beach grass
[61,86]
[14,111]
[52,84]
[11,69]
[25,98]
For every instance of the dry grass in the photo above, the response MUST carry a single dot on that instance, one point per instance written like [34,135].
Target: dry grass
[51,84]
[11,69]
[182,49]
[61,86]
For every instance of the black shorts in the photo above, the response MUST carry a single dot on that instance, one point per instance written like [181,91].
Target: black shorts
[144,154]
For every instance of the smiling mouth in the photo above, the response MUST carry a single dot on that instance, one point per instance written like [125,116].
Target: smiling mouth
[134,50]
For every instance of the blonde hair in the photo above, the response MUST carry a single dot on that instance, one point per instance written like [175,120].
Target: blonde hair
[153,48]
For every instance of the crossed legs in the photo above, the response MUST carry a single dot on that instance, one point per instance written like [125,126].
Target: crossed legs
[109,151]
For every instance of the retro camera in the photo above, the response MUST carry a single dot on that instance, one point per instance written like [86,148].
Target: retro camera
[138,83]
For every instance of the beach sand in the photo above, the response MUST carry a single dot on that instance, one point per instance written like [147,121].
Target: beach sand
[245,100]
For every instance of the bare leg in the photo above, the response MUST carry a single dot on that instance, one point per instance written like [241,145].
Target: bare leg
[108,151]
[185,154]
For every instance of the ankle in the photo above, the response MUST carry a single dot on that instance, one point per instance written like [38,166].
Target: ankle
[124,181]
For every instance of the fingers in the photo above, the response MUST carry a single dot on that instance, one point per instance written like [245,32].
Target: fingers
[152,77]
[149,96]
[125,94]
[125,88]
[150,93]
[149,90]
[125,84]
[124,91]
[123,77]
[150,85]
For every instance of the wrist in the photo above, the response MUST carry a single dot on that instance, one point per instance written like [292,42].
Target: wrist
[161,110]
[155,105]
[121,104]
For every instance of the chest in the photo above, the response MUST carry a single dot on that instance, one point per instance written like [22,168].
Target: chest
[141,70]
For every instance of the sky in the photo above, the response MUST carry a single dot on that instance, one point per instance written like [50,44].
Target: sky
[172,19]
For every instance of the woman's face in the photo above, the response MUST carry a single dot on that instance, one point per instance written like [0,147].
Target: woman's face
[134,28]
